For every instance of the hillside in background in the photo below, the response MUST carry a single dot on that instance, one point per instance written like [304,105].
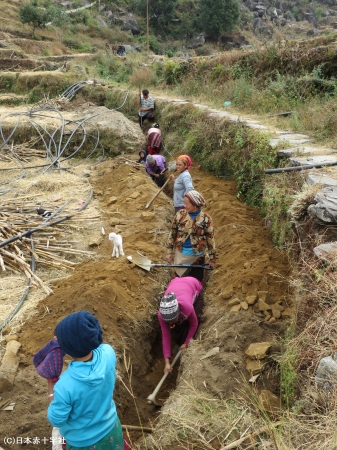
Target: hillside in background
[177,28]
[180,25]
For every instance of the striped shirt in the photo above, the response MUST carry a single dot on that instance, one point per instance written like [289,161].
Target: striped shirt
[146,103]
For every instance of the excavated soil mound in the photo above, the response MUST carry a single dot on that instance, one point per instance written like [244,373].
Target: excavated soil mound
[125,299]
[116,133]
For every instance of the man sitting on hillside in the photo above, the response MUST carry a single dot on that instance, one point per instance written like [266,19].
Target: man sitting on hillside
[146,107]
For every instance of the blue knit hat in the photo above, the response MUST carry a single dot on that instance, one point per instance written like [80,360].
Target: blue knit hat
[79,333]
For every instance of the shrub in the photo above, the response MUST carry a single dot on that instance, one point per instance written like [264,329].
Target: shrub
[123,73]
[172,72]
[203,51]
[218,16]
[319,12]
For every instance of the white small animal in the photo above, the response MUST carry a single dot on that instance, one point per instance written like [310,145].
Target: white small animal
[118,244]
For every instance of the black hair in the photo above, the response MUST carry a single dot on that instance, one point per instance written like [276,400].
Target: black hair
[145,92]
[156,125]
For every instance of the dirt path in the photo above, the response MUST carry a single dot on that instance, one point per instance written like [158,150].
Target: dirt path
[125,299]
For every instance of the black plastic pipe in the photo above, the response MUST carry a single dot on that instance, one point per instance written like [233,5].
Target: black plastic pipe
[292,169]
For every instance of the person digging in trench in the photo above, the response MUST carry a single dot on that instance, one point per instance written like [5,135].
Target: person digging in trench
[179,314]
[154,140]
[155,166]
[191,235]
[82,404]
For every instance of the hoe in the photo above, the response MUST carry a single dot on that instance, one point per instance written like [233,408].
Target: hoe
[152,397]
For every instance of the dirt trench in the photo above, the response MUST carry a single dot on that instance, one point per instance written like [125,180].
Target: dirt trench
[125,299]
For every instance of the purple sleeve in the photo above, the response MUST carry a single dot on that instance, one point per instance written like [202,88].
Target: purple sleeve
[166,337]
[162,163]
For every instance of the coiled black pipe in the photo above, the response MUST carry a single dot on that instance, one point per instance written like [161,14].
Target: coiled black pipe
[55,148]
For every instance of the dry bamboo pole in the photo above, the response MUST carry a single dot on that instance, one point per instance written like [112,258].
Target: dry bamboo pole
[26,267]
[31,251]
[135,428]
[56,258]
[9,265]
[57,265]
[2,264]
[238,442]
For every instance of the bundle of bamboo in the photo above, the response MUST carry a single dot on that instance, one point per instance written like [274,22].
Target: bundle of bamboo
[19,254]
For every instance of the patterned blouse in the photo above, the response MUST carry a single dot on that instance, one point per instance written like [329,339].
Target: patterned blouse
[200,230]
[146,103]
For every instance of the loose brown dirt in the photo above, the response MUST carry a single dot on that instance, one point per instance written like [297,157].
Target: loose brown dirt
[125,300]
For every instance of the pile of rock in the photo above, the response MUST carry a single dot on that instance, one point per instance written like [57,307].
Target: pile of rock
[257,357]
[256,362]
[264,303]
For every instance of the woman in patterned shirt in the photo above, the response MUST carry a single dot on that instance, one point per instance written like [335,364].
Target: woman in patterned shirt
[191,236]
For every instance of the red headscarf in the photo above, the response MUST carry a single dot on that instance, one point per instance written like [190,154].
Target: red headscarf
[187,160]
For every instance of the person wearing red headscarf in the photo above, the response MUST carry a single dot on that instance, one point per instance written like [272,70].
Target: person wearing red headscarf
[183,183]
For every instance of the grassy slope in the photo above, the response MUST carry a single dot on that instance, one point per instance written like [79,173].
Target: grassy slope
[89,35]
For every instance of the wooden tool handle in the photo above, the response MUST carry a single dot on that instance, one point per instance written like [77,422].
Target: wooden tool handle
[159,385]
[155,196]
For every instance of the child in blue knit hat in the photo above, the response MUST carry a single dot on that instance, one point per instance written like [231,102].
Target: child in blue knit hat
[82,406]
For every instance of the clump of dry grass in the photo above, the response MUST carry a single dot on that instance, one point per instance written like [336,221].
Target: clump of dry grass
[192,419]
[310,423]
[302,200]
[143,76]
[310,432]
[320,118]
[317,319]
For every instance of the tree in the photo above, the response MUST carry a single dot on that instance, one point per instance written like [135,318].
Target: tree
[58,17]
[161,13]
[218,16]
[188,20]
[33,15]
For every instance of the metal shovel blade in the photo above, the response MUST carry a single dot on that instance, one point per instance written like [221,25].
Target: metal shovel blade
[172,166]
[146,264]
[140,261]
